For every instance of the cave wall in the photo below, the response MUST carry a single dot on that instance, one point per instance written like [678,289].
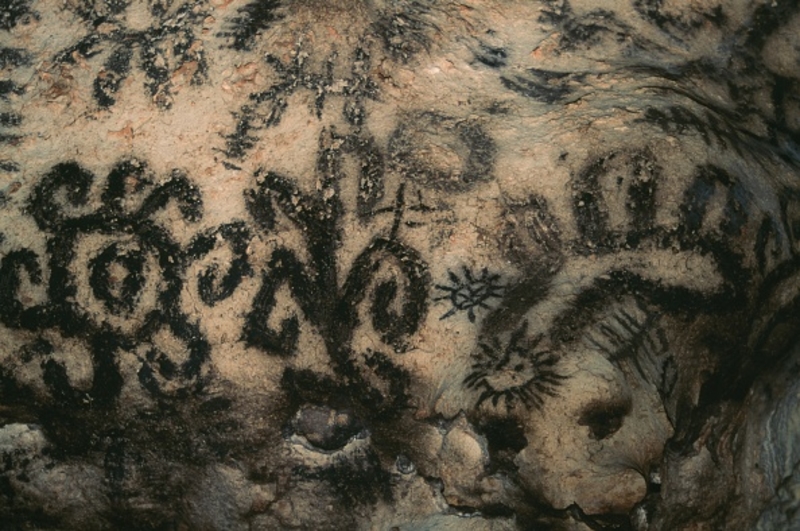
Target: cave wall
[401,264]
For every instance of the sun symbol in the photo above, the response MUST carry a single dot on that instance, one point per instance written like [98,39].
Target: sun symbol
[515,372]
[470,292]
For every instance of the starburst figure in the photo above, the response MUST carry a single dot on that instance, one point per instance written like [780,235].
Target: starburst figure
[518,371]
[470,291]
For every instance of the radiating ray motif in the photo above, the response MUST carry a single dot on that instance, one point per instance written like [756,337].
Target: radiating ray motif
[518,371]
[630,333]
[470,292]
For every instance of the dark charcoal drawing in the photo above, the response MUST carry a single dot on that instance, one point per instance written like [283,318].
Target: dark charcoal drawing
[13,57]
[7,88]
[405,28]
[535,241]
[266,107]
[629,334]
[711,126]
[491,56]
[470,292]
[514,371]
[531,236]
[596,236]
[211,287]
[12,60]
[751,126]
[412,140]
[133,237]
[618,314]
[679,24]
[388,285]
[171,43]
[243,29]
[16,12]
[588,30]
[639,174]
[327,305]
[545,86]
[124,317]
[9,121]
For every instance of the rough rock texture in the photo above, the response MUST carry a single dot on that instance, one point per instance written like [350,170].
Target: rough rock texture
[399,264]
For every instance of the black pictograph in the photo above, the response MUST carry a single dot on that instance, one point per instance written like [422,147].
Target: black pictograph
[170,45]
[135,274]
[469,292]
[265,108]
[250,20]
[465,153]
[515,370]
[397,305]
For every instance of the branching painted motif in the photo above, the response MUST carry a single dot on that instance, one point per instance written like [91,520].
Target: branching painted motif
[328,305]
[266,107]
[171,44]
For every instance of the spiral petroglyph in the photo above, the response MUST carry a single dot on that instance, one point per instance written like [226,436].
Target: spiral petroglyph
[399,264]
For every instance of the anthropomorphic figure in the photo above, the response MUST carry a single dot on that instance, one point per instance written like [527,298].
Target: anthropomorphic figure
[367,264]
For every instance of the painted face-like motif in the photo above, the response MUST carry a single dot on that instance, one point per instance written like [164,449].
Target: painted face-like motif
[393,265]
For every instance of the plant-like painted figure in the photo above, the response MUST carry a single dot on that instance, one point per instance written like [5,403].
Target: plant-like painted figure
[327,303]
